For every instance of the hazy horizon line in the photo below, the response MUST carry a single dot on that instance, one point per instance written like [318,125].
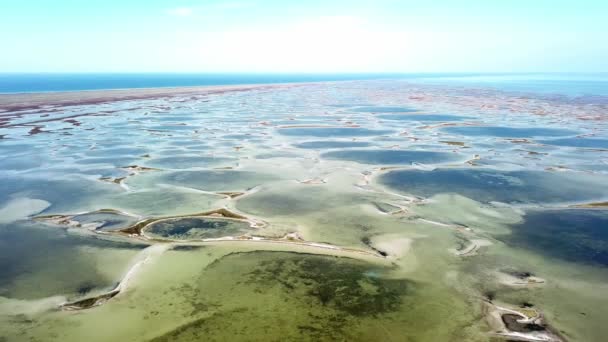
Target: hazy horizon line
[313,73]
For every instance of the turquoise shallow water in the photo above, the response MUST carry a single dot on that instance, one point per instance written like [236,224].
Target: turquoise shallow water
[342,211]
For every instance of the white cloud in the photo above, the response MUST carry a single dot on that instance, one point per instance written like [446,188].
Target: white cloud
[325,44]
[350,43]
[181,11]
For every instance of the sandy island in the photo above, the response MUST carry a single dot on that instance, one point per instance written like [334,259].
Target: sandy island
[49,100]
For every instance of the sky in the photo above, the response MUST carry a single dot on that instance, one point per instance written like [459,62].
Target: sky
[305,36]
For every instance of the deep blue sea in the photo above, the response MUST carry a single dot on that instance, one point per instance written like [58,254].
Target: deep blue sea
[562,84]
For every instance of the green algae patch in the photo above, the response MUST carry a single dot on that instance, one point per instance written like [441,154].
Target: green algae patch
[319,297]
[210,292]
[288,296]
[346,285]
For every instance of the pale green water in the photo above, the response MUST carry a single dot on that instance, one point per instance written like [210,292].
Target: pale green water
[369,219]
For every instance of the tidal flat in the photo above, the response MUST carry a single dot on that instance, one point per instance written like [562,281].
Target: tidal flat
[359,211]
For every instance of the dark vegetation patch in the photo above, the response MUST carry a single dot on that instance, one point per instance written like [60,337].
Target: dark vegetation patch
[196,330]
[187,248]
[196,228]
[343,284]
[323,298]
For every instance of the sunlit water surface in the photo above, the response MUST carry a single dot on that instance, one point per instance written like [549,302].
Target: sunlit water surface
[361,211]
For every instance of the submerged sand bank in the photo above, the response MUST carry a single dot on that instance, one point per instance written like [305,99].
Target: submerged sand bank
[394,261]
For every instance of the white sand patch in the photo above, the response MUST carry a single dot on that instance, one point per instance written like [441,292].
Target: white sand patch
[523,281]
[21,208]
[29,307]
[472,248]
[395,246]
[144,257]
